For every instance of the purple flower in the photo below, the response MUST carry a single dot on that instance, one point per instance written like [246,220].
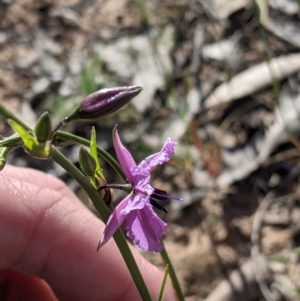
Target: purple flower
[143,226]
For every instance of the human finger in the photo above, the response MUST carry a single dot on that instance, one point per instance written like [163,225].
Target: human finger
[37,178]
[46,234]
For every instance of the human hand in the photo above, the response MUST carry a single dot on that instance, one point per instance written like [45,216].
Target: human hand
[48,246]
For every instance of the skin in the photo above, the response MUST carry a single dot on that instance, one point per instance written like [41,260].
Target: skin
[48,246]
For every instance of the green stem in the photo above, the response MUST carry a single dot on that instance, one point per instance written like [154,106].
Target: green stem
[164,255]
[11,141]
[68,137]
[4,151]
[9,115]
[163,284]
[99,204]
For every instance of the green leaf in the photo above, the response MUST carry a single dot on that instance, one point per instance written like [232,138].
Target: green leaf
[29,141]
[32,146]
[165,256]
[94,153]
[43,128]
[98,179]
[86,162]
[163,284]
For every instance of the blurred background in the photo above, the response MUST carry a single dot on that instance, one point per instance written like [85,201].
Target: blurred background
[222,78]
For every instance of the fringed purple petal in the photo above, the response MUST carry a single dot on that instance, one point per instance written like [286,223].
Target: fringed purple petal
[143,226]
[125,159]
[159,158]
[146,229]
[136,202]
[115,220]
[142,183]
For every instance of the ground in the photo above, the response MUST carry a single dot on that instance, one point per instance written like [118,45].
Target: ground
[220,78]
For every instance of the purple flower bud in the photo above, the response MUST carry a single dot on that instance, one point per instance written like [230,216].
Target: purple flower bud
[101,103]
[106,101]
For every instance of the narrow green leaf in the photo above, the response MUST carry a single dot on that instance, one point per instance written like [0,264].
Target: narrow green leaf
[43,128]
[164,255]
[32,146]
[98,179]
[94,153]
[86,162]
[163,284]
[29,141]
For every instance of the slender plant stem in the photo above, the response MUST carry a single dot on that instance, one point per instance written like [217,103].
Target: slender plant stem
[105,155]
[9,115]
[164,255]
[163,284]
[11,141]
[99,204]
[4,151]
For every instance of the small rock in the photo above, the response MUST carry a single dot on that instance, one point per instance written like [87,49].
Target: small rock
[226,50]
[75,63]
[194,101]
[68,87]
[52,67]
[26,58]
[68,15]
[3,37]
[40,86]
[43,42]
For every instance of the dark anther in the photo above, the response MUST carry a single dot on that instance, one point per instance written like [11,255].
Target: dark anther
[160,194]
[156,205]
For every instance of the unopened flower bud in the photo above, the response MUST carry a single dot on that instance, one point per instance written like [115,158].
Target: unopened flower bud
[43,128]
[104,102]
[87,162]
